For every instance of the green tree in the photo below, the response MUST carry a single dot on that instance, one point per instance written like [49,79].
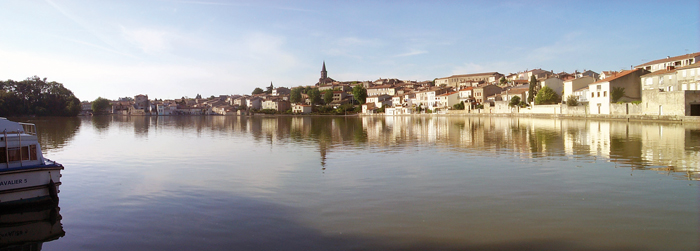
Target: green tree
[546,96]
[532,91]
[359,93]
[503,81]
[258,91]
[328,97]
[459,106]
[314,96]
[515,100]
[295,95]
[616,93]
[100,105]
[36,96]
[572,100]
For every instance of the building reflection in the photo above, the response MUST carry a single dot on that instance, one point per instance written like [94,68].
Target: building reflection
[667,147]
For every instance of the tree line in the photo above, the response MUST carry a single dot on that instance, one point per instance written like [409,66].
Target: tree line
[36,96]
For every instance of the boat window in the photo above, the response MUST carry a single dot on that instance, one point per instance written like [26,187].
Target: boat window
[13,154]
[25,153]
[32,152]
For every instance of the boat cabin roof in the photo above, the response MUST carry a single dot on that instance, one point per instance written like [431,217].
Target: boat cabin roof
[10,126]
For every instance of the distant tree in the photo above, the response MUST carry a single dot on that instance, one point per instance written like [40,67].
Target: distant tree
[532,91]
[328,97]
[314,96]
[514,101]
[572,100]
[212,97]
[503,81]
[546,96]
[36,96]
[198,96]
[616,93]
[295,95]
[100,105]
[359,93]
[459,106]
[258,91]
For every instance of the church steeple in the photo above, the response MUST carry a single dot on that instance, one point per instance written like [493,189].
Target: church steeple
[324,73]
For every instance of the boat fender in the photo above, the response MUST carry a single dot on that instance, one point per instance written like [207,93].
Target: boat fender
[53,192]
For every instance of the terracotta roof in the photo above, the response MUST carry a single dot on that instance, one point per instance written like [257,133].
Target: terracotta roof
[659,72]
[517,90]
[467,89]
[380,86]
[695,65]
[616,76]
[671,59]
[475,74]
[447,94]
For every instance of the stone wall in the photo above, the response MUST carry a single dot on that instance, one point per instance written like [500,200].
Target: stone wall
[581,110]
[663,103]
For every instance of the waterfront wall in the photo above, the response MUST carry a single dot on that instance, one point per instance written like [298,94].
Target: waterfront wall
[623,111]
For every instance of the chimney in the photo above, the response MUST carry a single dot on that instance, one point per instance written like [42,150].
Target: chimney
[670,67]
[667,57]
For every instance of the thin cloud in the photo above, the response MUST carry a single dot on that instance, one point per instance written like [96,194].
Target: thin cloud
[148,40]
[79,22]
[411,53]
[98,47]
[243,5]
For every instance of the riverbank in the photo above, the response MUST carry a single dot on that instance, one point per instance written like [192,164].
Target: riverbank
[481,113]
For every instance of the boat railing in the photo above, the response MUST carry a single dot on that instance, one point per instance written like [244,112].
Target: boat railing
[28,128]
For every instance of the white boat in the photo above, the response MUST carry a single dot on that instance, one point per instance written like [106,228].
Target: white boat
[25,175]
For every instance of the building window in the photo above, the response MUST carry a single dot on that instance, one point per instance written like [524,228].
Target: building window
[661,80]
[592,95]
[599,88]
[605,93]
[683,72]
[598,94]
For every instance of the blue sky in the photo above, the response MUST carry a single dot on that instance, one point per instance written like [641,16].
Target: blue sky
[170,49]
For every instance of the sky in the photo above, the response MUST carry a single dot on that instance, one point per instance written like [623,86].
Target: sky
[170,49]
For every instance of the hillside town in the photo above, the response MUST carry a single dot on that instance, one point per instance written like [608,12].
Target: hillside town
[664,87]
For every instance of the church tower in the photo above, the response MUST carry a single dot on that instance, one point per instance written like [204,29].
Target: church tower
[324,80]
[324,73]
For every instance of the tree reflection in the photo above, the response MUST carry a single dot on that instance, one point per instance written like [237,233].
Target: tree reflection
[53,132]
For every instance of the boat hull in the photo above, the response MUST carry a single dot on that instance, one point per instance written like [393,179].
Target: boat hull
[30,185]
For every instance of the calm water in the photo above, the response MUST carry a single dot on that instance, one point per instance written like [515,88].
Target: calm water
[408,183]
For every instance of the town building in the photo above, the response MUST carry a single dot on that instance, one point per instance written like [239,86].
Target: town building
[671,91]
[601,91]
[575,84]
[677,62]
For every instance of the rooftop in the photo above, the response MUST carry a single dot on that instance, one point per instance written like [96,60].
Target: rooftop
[669,59]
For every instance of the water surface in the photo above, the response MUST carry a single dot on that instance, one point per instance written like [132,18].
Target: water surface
[363,183]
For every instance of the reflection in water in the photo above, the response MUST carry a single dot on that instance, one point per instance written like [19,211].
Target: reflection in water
[667,147]
[29,227]
[378,183]
[53,132]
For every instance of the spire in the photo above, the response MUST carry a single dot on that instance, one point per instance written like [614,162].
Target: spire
[324,73]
